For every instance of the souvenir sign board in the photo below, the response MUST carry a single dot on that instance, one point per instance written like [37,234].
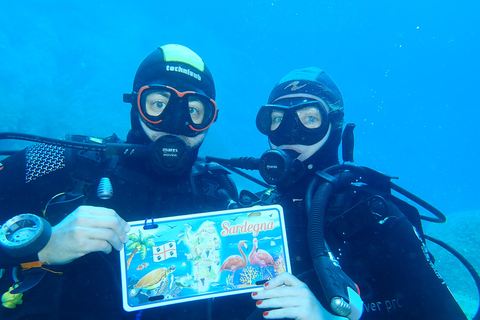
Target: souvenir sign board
[198,256]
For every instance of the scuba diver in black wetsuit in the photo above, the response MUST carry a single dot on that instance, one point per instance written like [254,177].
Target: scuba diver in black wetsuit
[376,238]
[155,173]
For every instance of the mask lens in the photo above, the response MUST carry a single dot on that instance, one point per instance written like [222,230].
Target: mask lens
[276,118]
[269,119]
[196,109]
[156,102]
[310,117]
[201,110]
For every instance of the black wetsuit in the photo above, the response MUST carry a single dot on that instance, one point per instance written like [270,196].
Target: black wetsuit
[377,246]
[385,259]
[89,287]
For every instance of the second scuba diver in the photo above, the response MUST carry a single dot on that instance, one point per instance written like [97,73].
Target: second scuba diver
[376,238]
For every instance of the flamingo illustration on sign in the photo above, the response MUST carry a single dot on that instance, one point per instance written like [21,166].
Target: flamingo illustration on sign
[235,262]
[261,258]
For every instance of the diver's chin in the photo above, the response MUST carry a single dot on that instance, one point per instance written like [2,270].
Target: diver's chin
[304,150]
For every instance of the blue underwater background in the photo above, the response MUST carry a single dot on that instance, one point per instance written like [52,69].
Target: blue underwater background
[408,72]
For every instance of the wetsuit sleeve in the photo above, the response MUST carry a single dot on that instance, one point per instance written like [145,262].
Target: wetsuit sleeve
[7,261]
[28,179]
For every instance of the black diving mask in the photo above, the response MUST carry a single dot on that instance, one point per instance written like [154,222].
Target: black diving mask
[165,109]
[305,123]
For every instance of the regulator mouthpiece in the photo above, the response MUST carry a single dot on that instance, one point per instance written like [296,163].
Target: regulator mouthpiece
[171,155]
[280,167]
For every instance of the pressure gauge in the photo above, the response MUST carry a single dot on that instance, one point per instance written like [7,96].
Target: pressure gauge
[24,235]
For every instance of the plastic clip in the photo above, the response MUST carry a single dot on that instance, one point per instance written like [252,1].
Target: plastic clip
[149,225]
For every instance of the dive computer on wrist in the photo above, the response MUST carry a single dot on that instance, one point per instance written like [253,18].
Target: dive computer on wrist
[24,235]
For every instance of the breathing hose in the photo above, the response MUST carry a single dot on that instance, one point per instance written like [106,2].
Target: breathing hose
[340,291]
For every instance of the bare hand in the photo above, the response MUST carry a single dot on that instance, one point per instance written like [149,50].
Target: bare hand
[87,229]
[290,298]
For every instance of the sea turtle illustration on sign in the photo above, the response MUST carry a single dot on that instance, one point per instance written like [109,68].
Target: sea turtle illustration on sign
[156,279]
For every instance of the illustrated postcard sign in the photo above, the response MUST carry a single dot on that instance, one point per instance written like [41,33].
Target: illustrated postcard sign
[198,256]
